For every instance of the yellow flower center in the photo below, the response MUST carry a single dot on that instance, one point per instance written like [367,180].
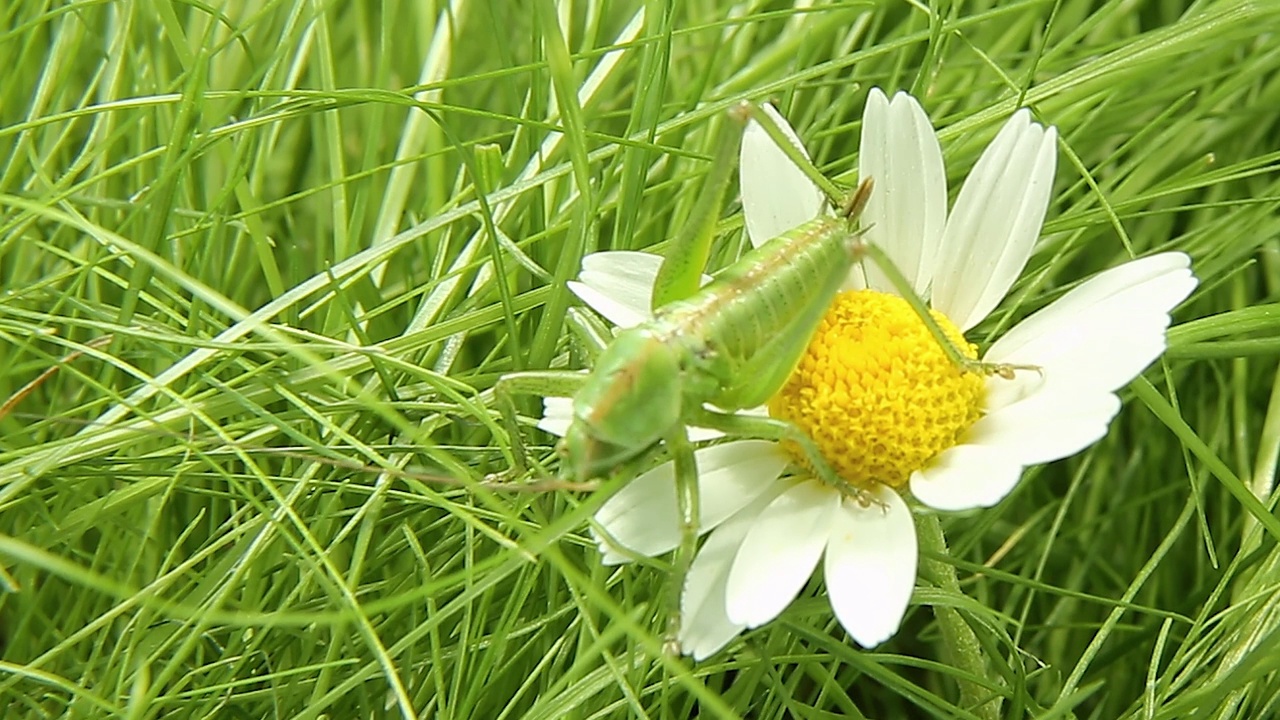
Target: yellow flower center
[876,391]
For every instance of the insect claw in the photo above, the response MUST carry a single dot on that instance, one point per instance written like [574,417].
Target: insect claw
[865,499]
[1007,371]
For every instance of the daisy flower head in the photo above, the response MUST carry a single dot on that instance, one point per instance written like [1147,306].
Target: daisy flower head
[890,411]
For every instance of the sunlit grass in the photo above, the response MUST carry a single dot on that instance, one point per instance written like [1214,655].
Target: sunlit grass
[247,259]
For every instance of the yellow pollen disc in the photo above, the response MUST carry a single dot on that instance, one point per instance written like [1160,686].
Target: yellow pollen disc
[876,392]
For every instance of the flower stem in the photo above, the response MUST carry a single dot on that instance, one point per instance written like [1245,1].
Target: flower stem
[962,647]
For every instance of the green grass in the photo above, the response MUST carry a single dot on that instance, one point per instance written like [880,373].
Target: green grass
[275,255]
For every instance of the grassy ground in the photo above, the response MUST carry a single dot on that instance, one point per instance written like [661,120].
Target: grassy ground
[274,254]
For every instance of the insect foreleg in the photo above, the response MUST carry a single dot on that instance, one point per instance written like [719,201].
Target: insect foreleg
[686,476]
[593,337]
[544,383]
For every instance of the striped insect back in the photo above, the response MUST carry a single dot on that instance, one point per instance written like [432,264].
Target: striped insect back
[773,297]
[796,281]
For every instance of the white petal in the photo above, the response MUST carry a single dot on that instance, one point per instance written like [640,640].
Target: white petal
[780,552]
[1099,289]
[705,626]
[996,221]
[1106,331]
[1048,425]
[870,567]
[697,434]
[618,285]
[644,516]
[776,195]
[965,477]
[557,413]
[907,210]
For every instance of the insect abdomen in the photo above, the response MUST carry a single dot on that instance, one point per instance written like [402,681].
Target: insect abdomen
[790,279]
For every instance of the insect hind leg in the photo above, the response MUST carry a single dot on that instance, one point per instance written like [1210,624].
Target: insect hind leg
[767,428]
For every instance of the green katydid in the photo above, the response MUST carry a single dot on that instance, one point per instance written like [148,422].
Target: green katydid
[730,344]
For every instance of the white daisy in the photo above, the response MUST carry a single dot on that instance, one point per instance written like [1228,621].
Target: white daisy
[875,390]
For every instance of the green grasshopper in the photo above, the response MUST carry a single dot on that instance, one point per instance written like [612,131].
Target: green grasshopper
[730,344]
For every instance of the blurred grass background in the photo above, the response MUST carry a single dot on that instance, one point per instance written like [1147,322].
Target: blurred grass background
[263,262]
